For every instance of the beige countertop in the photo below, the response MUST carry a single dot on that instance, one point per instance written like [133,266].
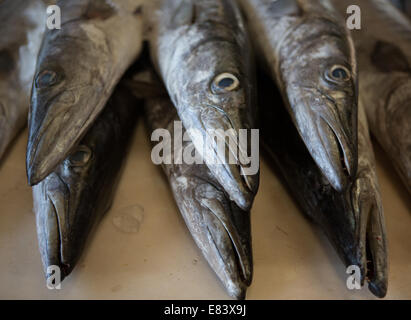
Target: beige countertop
[142,249]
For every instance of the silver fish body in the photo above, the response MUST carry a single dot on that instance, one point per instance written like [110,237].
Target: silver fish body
[352,220]
[22,24]
[77,70]
[384,56]
[219,227]
[74,197]
[201,51]
[310,54]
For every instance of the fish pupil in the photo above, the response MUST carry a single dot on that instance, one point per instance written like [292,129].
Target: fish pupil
[225,83]
[46,78]
[79,157]
[339,74]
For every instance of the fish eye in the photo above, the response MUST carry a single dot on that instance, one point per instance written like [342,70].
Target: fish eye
[338,74]
[46,78]
[80,157]
[225,82]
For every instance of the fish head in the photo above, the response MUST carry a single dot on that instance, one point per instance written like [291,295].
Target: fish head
[214,98]
[319,81]
[67,95]
[63,205]
[219,227]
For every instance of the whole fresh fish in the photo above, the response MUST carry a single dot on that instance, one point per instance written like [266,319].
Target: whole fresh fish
[22,24]
[309,53]
[352,220]
[77,70]
[219,227]
[202,52]
[73,198]
[403,5]
[384,56]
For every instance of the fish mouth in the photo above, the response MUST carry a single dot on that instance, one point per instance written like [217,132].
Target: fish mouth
[331,141]
[228,248]
[222,232]
[51,211]
[225,158]
[339,153]
[56,130]
[371,255]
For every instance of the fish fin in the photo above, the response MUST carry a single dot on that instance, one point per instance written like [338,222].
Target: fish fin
[387,57]
[185,14]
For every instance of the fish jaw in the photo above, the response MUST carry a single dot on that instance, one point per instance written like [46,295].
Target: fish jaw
[50,205]
[220,229]
[330,139]
[77,70]
[372,246]
[54,132]
[224,162]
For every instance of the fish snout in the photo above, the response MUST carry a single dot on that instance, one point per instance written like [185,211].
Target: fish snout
[55,126]
[52,226]
[370,234]
[230,246]
[328,131]
[340,152]
[220,229]
[231,152]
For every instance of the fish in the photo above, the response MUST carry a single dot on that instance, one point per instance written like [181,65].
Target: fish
[219,227]
[202,53]
[310,55]
[384,55]
[22,24]
[352,220]
[74,197]
[77,70]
